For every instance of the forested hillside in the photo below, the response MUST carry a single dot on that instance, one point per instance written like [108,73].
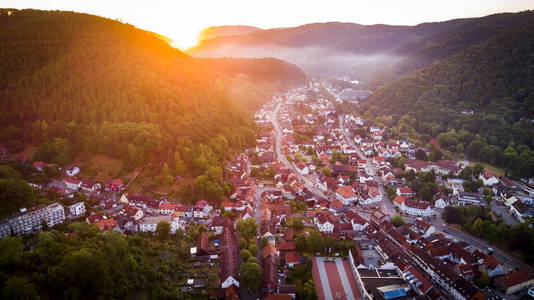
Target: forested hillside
[429,49]
[480,101]
[73,82]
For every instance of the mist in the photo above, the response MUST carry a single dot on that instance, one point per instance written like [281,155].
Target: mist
[316,61]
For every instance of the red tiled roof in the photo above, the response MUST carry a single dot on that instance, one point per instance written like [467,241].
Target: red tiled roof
[292,257]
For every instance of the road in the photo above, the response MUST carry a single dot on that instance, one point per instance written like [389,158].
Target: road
[310,185]
[386,204]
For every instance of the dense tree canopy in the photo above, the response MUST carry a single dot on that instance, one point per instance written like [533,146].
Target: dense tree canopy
[479,102]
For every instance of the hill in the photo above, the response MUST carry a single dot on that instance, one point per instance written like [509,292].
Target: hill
[73,82]
[430,49]
[215,31]
[254,81]
[479,101]
[334,48]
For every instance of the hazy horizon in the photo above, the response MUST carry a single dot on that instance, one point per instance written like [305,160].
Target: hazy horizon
[182,21]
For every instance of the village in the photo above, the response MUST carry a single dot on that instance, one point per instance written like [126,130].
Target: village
[330,195]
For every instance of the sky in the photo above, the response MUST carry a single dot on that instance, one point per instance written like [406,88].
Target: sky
[182,20]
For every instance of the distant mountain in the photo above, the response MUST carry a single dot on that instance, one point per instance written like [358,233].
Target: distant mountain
[73,82]
[479,101]
[335,48]
[375,53]
[216,31]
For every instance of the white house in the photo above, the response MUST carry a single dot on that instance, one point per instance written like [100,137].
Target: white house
[346,194]
[72,183]
[417,208]
[77,209]
[72,170]
[151,223]
[488,178]
[202,209]
[423,228]
[302,168]
[323,223]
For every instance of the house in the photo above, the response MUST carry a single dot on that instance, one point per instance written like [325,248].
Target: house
[465,198]
[229,259]
[90,186]
[441,200]
[202,209]
[358,223]
[247,213]
[72,170]
[488,178]
[324,223]
[292,259]
[72,183]
[491,265]
[520,210]
[417,208]
[405,191]
[423,228]
[77,209]
[107,224]
[302,168]
[398,201]
[346,195]
[151,223]
[515,281]
[115,185]
[218,223]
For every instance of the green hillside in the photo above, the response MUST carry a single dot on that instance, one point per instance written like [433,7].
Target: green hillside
[494,79]
[72,82]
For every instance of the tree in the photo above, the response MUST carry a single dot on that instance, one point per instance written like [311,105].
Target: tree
[250,276]
[297,224]
[452,215]
[19,288]
[44,225]
[263,242]
[397,221]
[484,280]
[247,228]
[326,172]
[477,169]
[243,243]
[245,255]
[253,249]
[425,192]
[163,230]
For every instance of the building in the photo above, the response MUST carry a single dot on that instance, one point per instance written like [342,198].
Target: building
[77,209]
[346,194]
[27,221]
[202,209]
[417,208]
[515,281]
[151,223]
[72,170]
[465,198]
[324,223]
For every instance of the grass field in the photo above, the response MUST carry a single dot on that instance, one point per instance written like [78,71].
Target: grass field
[492,169]
[100,166]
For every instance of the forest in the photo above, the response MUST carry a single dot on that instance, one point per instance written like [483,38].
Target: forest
[76,260]
[72,83]
[477,220]
[479,102]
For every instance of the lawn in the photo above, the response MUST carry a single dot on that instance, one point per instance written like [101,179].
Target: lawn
[493,169]
[100,166]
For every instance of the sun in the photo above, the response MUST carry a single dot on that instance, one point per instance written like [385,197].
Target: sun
[183,40]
